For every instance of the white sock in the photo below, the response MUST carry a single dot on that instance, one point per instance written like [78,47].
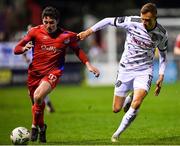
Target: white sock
[126,120]
[33,126]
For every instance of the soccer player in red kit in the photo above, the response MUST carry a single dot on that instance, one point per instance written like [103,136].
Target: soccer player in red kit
[49,43]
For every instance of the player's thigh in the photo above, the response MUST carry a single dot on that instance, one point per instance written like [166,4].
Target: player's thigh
[47,84]
[141,87]
[139,95]
[42,90]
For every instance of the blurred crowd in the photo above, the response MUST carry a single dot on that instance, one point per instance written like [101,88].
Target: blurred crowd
[15,15]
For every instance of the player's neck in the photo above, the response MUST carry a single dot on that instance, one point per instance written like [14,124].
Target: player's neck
[151,29]
[56,32]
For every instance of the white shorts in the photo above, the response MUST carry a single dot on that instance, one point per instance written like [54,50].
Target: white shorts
[127,81]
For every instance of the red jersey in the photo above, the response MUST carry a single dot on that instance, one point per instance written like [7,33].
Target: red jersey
[49,49]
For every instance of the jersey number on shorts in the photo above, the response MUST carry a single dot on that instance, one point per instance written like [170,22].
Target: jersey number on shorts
[52,78]
[118,83]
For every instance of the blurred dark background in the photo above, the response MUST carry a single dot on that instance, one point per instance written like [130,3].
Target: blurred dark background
[15,15]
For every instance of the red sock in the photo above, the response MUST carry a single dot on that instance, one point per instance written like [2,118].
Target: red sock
[36,113]
[41,118]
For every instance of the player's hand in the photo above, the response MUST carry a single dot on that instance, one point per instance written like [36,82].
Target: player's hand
[28,46]
[93,69]
[158,85]
[84,34]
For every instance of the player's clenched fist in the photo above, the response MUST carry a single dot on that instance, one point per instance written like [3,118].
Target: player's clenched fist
[28,46]
[84,34]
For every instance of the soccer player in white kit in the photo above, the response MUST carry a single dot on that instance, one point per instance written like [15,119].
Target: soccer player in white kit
[143,35]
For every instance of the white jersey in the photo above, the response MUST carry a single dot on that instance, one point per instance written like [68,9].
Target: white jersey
[140,44]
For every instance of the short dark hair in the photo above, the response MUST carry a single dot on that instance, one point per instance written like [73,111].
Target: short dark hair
[51,12]
[149,7]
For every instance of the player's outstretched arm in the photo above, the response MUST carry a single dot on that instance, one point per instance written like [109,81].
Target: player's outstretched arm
[98,26]
[159,84]
[84,34]
[92,69]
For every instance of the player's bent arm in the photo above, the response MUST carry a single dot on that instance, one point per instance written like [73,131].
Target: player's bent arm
[19,48]
[81,55]
[22,47]
[84,59]
[162,67]
[26,43]
[162,47]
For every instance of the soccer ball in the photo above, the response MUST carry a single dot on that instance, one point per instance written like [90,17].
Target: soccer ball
[20,136]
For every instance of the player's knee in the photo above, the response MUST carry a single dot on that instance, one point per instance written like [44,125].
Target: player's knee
[136,104]
[37,98]
[116,109]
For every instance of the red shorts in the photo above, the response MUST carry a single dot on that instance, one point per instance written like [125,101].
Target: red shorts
[34,80]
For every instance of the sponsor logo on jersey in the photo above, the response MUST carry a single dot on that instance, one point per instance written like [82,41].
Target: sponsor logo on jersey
[50,48]
[142,43]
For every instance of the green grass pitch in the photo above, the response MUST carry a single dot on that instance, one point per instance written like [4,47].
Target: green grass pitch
[84,116]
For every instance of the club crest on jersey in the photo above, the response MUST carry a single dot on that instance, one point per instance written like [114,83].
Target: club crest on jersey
[67,41]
